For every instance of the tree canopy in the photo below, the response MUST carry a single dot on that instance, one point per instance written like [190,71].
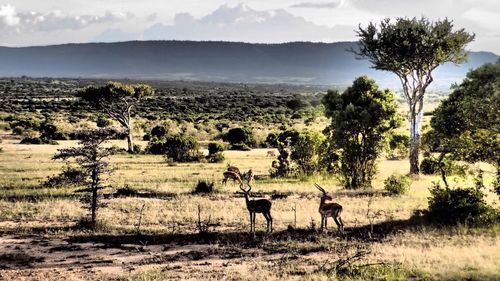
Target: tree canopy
[467,124]
[118,101]
[361,116]
[412,49]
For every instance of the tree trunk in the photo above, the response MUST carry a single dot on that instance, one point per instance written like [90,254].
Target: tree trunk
[94,207]
[129,141]
[415,121]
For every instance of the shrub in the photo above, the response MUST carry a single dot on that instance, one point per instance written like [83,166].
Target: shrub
[158,131]
[429,166]
[460,205]
[103,122]
[137,149]
[32,140]
[182,148]
[240,138]
[215,150]
[204,186]
[397,184]
[156,146]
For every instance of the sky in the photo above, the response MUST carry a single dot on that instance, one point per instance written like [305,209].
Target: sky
[35,22]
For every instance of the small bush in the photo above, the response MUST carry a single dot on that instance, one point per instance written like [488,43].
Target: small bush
[137,149]
[156,146]
[460,206]
[32,140]
[103,122]
[397,184]
[429,166]
[215,150]
[240,146]
[182,148]
[204,186]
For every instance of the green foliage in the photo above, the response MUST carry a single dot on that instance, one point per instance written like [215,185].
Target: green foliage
[399,146]
[361,117]
[103,122]
[412,49]
[158,131]
[204,186]
[215,154]
[182,148]
[118,101]
[156,146]
[70,176]
[306,152]
[50,132]
[429,166]
[91,157]
[460,206]
[467,125]
[282,167]
[240,138]
[397,184]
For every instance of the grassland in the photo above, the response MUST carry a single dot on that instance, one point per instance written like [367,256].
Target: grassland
[40,239]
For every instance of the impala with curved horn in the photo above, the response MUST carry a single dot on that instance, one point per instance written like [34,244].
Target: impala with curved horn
[326,210]
[258,206]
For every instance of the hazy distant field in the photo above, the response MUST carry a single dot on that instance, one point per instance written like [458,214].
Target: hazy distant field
[38,238]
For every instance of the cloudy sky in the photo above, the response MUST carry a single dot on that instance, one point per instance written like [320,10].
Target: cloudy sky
[35,22]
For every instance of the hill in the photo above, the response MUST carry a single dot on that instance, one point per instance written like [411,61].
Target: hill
[295,62]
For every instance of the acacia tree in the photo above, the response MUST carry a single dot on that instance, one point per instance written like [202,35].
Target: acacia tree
[91,157]
[361,117]
[467,124]
[118,101]
[412,49]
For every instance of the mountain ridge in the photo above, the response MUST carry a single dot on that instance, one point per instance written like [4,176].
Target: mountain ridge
[298,62]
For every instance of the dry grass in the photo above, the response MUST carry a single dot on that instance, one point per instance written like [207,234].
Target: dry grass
[428,253]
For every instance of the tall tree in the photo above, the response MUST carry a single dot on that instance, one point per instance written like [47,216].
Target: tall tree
[361,117]
[412,49]
[91,157]
[467,124]
[118,101]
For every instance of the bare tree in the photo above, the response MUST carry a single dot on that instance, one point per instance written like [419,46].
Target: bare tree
[118,101]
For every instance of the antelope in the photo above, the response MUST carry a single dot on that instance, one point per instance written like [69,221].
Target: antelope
[231,175]
[233,169]
[329,210]
[258,206]
[270,153]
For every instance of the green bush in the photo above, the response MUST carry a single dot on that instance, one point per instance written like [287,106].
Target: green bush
[240,146]
[429,166]
[103,122]
[182,148]
[156,146]
[215,150]
[137,149]
[32,140]
[460,206]
[397,184]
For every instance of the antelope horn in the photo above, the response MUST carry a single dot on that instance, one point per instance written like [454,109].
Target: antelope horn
[320,188]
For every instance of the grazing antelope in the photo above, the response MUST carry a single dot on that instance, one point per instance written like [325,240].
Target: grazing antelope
[329,210]
[231,175]
[258,206]
[233,169]
[270,153]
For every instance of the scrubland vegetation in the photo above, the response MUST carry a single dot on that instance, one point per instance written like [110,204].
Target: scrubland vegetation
[123,181]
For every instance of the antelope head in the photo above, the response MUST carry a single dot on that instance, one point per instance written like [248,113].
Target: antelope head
[325,196]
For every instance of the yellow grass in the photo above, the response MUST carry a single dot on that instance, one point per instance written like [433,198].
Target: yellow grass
[439,253]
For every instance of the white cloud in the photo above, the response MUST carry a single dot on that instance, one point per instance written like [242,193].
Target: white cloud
[8,15]
[13,21]
[320,5]
[241,23]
